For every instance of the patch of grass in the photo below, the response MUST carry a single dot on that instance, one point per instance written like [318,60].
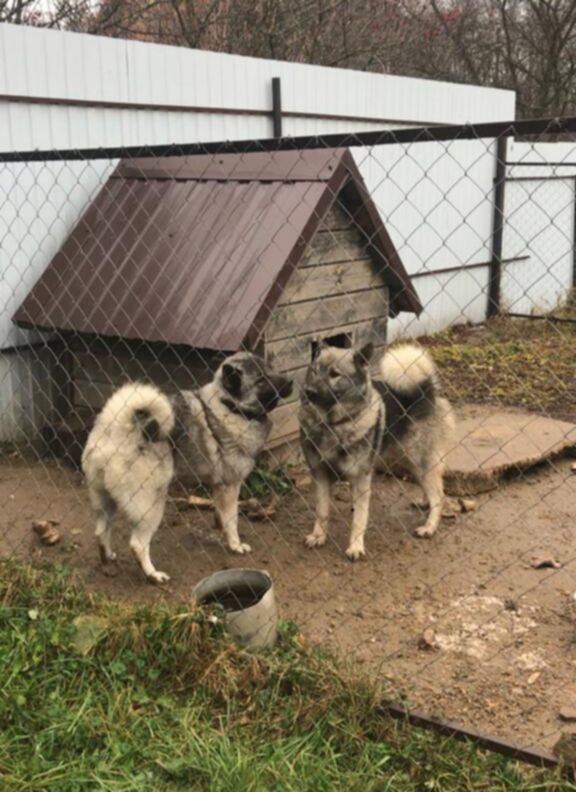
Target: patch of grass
[264,482]
[162,700]
[512,362]
[261,484]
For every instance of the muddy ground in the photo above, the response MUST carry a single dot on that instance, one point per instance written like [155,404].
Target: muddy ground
[500,651]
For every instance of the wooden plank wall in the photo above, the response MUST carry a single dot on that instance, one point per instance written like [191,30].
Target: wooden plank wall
[335,290]
[96,375]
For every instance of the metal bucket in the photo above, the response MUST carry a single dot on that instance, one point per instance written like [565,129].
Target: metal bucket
[247,596]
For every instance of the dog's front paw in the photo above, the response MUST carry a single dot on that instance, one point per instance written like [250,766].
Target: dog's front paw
[158,577]
[425,531]
[356,551]
[315,539]
[241,548]
[106,556]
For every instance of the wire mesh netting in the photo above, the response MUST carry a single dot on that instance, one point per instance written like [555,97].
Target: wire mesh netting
[253,355]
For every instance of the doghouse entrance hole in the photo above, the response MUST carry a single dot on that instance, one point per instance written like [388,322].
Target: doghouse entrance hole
[341,341]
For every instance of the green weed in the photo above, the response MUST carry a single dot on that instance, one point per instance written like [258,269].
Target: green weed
[160,699]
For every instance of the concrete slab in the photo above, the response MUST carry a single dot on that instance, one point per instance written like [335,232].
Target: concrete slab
[492,443]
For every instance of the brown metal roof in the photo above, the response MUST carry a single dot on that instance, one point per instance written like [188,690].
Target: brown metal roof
[197,250]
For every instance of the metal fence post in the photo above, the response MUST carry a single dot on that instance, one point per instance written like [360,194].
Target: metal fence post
[573,289]
[277,107]
[495,277]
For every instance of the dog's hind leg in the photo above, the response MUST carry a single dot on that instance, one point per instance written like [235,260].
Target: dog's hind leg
[145,524]
[361,491]
[323,502]
[226,504]
[432,483]
[105,508]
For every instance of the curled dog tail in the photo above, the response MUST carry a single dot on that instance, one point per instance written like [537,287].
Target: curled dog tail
[137,407]
[409,374]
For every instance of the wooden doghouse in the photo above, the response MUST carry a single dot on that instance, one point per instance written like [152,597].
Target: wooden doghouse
[181,260]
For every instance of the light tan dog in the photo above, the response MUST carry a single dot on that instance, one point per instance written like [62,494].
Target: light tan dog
[143,438]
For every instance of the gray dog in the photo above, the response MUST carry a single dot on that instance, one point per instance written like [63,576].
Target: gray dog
[143,438]
[351,424]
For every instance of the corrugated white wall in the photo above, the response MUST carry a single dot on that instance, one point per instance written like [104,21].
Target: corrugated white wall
[539,211]
[436,201]
[434,197]
[67,66]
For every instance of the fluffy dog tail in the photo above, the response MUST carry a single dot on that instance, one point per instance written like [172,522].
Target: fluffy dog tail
[137,407]
[409,373]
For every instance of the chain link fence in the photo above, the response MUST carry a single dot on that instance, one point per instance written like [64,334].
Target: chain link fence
[317,256]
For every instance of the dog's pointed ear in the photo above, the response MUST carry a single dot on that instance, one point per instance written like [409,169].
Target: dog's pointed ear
[232,379]
[317,347]
[363,356]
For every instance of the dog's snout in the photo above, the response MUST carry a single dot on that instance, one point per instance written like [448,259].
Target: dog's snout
[315,397]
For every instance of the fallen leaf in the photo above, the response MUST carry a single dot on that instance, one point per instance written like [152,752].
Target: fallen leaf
[428,639]
[46,531]
[256,510]
[89,630]
[467,504]
[342,494]
[200,503]
[449,515]
[545,563]
[33,614]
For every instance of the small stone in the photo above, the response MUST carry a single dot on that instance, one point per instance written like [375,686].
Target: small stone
[567,714]
[545,563]
[427,640]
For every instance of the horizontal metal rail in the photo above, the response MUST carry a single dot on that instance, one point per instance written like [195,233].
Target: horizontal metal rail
[464,267]
[533,756]
[501,129]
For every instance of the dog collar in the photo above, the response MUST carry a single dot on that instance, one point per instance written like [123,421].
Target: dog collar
[250,415]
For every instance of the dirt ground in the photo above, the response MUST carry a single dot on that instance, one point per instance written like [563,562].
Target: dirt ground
[462,624]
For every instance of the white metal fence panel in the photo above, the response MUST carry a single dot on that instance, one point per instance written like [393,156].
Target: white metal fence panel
[539,211]
[539,225]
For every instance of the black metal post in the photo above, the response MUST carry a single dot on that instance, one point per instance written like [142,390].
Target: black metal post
[277,107]
[574,246]
[493,307]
